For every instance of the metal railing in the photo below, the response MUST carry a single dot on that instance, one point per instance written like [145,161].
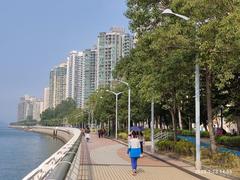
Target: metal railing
[162,135]
[61,170]
[44,169]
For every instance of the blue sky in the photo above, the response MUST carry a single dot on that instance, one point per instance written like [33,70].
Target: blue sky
[37,35]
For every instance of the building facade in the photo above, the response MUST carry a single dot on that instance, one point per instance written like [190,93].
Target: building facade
[29,108]
[74,78]
[89,74]
[37,108]
[57,85]
[111,47]
[46,98]
[81,76]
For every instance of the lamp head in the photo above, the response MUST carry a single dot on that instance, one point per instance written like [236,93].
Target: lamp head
[167,11]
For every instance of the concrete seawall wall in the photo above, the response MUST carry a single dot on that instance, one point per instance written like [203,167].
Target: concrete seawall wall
[60,133]
[64,135]
[68,135]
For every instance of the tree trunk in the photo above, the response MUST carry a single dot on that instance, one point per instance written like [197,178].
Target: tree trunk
[180,118]
[209,110]
[238,125]
[190,124]
[157,122]
[174,125]
[160,122]
[205,126]
[149,124]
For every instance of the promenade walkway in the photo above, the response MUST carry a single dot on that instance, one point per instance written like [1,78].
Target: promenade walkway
[105,159]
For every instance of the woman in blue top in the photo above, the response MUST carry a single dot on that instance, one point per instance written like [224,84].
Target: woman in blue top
[134,151]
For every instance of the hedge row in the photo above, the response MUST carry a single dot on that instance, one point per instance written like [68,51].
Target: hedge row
[180,147]
[192,133]
[233,141]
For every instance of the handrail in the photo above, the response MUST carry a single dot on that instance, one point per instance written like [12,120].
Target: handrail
[49,164]
[61,170]
[161,135]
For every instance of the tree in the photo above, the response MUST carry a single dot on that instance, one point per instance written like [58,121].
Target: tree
[233,89]
[216,45]
[55,116]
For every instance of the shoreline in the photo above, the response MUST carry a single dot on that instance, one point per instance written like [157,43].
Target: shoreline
[54,132]
[68,135]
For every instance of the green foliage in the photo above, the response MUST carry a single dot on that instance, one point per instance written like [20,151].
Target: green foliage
[184,148]
[187,133]
[25,123]
[181,147]
[166,145]
[233,141]
[192,133]
[56,116]
[161,66]
[204,134]
[147,133]
[123,135]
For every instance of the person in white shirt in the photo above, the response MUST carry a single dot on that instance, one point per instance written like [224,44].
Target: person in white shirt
[134,151]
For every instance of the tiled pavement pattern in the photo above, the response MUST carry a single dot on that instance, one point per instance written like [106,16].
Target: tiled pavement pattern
[109,161]
[85,172]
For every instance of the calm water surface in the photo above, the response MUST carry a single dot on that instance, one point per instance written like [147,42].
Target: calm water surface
[21,152]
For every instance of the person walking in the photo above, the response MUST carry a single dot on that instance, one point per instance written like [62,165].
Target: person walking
[134,151]
[100,133]
[87,134]
[141,139]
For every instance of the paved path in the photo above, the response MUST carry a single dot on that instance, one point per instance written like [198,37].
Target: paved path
[108,160]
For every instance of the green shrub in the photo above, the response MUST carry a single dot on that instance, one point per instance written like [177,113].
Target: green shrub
[204,134]
[147,133]
[233,141]
[184,148]
[181,147]
[192,133]
[187,133]
[165,145]
[123,135]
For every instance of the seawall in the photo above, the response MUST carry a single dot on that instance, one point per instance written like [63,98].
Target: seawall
[62,133]
[68,135]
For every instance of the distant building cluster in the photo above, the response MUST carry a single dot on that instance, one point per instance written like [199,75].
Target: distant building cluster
[85,71]
[30,108]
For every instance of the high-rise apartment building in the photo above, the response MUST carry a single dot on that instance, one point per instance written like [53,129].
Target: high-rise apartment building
[89,74]
[111,47]
[57,85]
[46,98]
[25,108]
[81,67]
[29,108]
[74,78]
[37,108]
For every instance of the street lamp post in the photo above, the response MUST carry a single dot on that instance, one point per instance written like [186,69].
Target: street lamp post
[116,124]
[197,98]
[152,126]
[129,102]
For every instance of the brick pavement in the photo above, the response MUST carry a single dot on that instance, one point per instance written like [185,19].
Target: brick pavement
[109,161]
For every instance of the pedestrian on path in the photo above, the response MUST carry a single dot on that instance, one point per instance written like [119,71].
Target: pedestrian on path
[87,134]
[141,139]
[134,151]
[100,133]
